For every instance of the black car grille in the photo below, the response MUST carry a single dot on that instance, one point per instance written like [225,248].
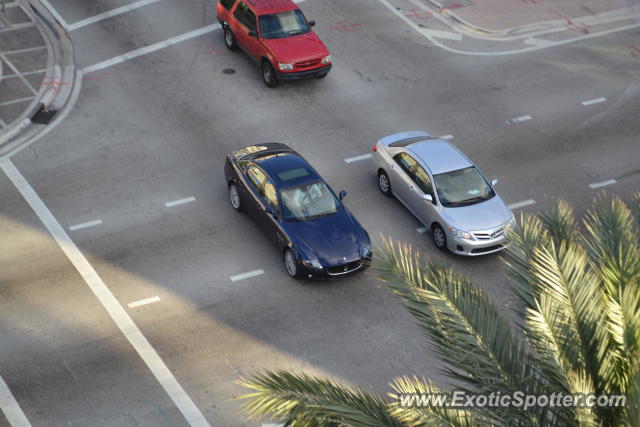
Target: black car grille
[338,270]
[487,249]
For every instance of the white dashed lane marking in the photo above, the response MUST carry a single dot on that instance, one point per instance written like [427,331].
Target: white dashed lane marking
[85,225]
[421,230]
[145,301]
[518,119]
[594,101]
[246,275]
[180,202]
[357,158]
[602,184]
[522,204]
[447,137]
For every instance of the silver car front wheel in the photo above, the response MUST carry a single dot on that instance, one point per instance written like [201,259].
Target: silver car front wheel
[439,238]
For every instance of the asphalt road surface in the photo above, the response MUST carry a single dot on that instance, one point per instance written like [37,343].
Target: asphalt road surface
[154,129]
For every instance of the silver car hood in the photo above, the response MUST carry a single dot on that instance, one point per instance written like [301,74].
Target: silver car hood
[481,216]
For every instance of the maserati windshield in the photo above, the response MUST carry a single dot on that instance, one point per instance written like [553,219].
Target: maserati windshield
[462,187]
[283,24]
[308,201]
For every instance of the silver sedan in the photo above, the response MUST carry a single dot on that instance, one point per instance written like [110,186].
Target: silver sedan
[444,190]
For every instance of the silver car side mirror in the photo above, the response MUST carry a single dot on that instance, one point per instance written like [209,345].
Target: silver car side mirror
[427,197]
[494,181]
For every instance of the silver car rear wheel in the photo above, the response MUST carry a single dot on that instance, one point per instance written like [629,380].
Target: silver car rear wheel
[290,263]
[383,183]
[439,238]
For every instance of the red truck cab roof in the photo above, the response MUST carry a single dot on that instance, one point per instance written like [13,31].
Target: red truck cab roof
[263,7]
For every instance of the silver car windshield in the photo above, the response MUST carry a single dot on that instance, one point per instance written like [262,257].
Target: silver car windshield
[308,201]
[462,187]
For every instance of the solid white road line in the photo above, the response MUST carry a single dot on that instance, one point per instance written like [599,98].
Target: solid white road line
[594,101]
[358,158]
[115,310]
[27,73]
[109,14]
[29,49]
[10,407]
[16,101]
[85,225]
[519,119]
[421,230]
[55,14]
[246,275]
[531,41]
[602,184]
[443,34]
[151,48]
[447,137]
[180,202]
[522,204]
[144,301]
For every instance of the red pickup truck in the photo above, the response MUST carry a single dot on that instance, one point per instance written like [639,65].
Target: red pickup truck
[276,34]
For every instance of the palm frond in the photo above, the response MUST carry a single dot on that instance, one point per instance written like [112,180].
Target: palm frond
[635,208]
[613,242]
[581,383]
[429,413]
[571,304]
[308,401]
[523,240]
[560,222]
[615,253]
[464,328]
[632,404]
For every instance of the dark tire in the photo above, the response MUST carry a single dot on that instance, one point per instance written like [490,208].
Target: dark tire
[384,184]
[234,197]
[229,39]
[439,237]
[290,263]
[269,75]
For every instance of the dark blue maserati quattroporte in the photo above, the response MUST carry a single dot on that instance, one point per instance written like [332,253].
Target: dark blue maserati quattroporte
[315,233]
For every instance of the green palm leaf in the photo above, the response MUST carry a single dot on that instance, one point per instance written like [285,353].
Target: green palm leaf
[465,329]
[571,302]
[433,414]
[523,241]
[304,400]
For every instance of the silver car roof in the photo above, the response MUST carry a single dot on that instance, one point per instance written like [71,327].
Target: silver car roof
[439,156]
